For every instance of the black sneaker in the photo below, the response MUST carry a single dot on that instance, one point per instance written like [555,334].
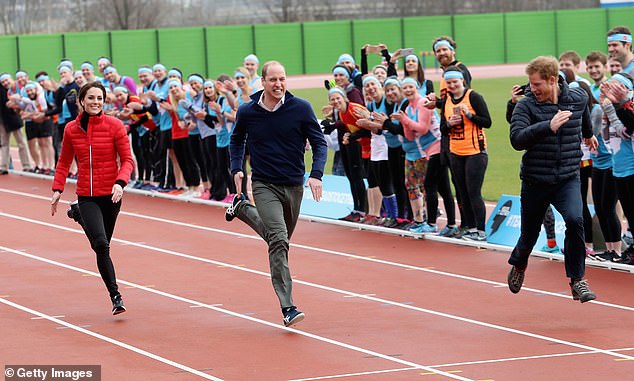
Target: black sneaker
[581,291]
[515,279]
[477,236]
[606,256]
[292,316]
[230,214]
[117,305]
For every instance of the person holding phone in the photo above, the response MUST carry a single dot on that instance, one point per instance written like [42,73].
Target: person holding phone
[464,116]
[548,124]
[101,147]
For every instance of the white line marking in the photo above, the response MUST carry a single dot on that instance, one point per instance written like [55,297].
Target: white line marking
[39,318]
[554,355]
[238,315]
[310,248]
[340,291]
[107,339]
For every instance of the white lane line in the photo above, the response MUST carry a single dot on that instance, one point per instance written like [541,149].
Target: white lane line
[309,248]
[191,302]
[344,292]
[453,365]
[108,339]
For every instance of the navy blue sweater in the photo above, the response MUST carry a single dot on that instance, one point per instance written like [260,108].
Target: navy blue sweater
[277,140]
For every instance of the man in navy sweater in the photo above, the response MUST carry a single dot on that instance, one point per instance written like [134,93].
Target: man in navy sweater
[275,126]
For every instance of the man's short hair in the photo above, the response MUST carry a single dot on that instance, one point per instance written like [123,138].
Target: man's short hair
[619,30]
[545,66]
[572,56]
[446,38]
[268,64]
[596,55]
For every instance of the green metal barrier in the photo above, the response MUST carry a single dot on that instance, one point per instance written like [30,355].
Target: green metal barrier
[313,47]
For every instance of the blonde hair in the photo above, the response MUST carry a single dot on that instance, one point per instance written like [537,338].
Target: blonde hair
[545,66]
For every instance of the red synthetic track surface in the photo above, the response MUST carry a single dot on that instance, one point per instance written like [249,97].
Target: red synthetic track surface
[378,307]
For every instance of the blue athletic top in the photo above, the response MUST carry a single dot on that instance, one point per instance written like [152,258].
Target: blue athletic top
[391,139]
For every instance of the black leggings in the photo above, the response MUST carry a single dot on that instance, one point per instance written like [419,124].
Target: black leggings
[604,197]
[209,156]
[99,215]
[396,157]
[186,161]
[379,176]
[468,174]
[437,181]
[196,148]
[586,173]
[353,165]
[625,190]
[162,173]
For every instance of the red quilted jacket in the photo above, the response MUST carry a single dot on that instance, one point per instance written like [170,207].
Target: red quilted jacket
[96,153]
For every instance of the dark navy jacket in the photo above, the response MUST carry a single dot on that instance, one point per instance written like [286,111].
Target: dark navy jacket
[277,140]
[550,158]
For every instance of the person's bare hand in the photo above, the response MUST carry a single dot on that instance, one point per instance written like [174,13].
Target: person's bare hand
[560,118]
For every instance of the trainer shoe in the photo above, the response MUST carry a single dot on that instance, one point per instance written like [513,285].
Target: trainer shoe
[448,231]
[515,279]
[238,199]
[292,316]
[117,305]
[581,291]
[548,249]
[477,236]
[424,228]
[606,256]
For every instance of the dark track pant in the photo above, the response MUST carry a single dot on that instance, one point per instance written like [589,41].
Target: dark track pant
[566,198]
[99,216]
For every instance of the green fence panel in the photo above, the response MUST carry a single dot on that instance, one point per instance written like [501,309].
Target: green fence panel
[620,16]
[40,52]
[373,32]
[133,48]
[183,48]
[581,30]
[480,40]
[420,32]
[226,48]
[9,56]
[324,42]
[86,46]
[530,34]
[280,42]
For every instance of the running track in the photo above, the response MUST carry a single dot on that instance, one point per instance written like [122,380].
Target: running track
[378,307]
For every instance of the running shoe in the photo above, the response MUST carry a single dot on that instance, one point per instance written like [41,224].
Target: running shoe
[230,213]
[117,305]
[425,228]
[515,279]
[477,236]
[292,316]
[449,231]
[607,256]
[548,249]
[581,291]
[389,222]
[370,220]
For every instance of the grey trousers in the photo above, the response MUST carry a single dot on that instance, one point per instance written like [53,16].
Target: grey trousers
[23,148]
[274,217]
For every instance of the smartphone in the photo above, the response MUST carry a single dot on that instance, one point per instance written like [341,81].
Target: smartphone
[406,52]
[521,90]
[456,110]
[372,49]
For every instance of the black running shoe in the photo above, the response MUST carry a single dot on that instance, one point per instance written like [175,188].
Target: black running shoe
[515,279]
[230,214]
[117,305]
[292,316]
[581,291]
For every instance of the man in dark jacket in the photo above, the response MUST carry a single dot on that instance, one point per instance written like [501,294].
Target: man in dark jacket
[548,125]
[275,126]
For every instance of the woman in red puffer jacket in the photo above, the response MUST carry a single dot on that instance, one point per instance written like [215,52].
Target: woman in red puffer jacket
[96,140]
